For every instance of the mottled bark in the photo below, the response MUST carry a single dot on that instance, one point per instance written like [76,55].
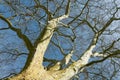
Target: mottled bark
[34,70]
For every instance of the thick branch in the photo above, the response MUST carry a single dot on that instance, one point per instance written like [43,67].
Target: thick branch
[67,12]
[84,60]
[102,54]
[24,38]
[19,33]
[43,40]
[98,61]
[74,67]
[41,45]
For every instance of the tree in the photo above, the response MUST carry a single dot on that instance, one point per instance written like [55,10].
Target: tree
[83,33]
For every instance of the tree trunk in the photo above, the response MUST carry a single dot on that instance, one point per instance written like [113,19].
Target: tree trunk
[35,70]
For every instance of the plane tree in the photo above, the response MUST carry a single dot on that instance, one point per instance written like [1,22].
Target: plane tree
[60,39]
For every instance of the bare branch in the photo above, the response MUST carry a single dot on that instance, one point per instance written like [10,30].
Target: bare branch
[102,54]
[24,38]
[19,33]
[58,8]
[67,12]
[107,24]
[93,29]
[98,61]
[3,28]
[80,12]
[38,5]
[55,67]
[68,57]
[60,48]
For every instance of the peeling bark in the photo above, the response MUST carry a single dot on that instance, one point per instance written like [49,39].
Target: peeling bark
[34,70]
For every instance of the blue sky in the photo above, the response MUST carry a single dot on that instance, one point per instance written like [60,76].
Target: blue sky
[9,40]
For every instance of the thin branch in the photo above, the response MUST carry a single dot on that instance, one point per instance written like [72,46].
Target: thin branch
[6,77]
[38,5]
[98,74]
[80,13]
[93,29]
[58,45]
[64,35]
[66,15]
[50,60]
[3,28]
[58,8]
[107,24]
